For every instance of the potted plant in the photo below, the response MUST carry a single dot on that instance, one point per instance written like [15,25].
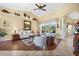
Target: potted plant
[2,34]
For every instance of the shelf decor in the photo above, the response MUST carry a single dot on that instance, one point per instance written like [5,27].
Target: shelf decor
[5,11]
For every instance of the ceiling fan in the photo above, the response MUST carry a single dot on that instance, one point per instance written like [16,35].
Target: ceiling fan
[40,7]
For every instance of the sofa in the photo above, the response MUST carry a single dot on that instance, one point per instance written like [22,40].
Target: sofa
[24,34]
[40,41]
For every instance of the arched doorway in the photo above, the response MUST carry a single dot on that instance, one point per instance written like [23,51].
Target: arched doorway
[70,21]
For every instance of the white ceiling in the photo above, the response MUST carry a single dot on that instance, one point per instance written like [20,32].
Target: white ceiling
[30,6]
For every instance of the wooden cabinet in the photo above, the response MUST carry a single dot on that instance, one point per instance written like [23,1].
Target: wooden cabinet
[50,41]
[76,40]
[15,37]
[76,44]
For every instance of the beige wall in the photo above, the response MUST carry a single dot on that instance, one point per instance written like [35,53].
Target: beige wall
[13,21]
[61,13]
[17,21]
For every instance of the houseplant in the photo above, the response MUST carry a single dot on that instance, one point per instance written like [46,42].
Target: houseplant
[2,34]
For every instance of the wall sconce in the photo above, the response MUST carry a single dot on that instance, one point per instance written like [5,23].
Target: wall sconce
[68,24]
[57,25]
[4,23]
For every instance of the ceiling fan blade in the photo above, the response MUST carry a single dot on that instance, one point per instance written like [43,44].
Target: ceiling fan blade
[37,5]
[36,9]
[44,6]
[44,9]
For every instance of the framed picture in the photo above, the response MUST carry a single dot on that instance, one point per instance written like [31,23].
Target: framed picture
[27,25]
[48,29]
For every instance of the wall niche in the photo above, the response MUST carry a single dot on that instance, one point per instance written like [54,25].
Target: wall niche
[5,11]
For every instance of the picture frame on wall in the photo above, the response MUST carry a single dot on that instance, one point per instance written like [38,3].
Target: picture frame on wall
[27,25]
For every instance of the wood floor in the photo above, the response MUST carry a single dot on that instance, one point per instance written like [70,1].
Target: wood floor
[16,45]
[20,45]
[63,48]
